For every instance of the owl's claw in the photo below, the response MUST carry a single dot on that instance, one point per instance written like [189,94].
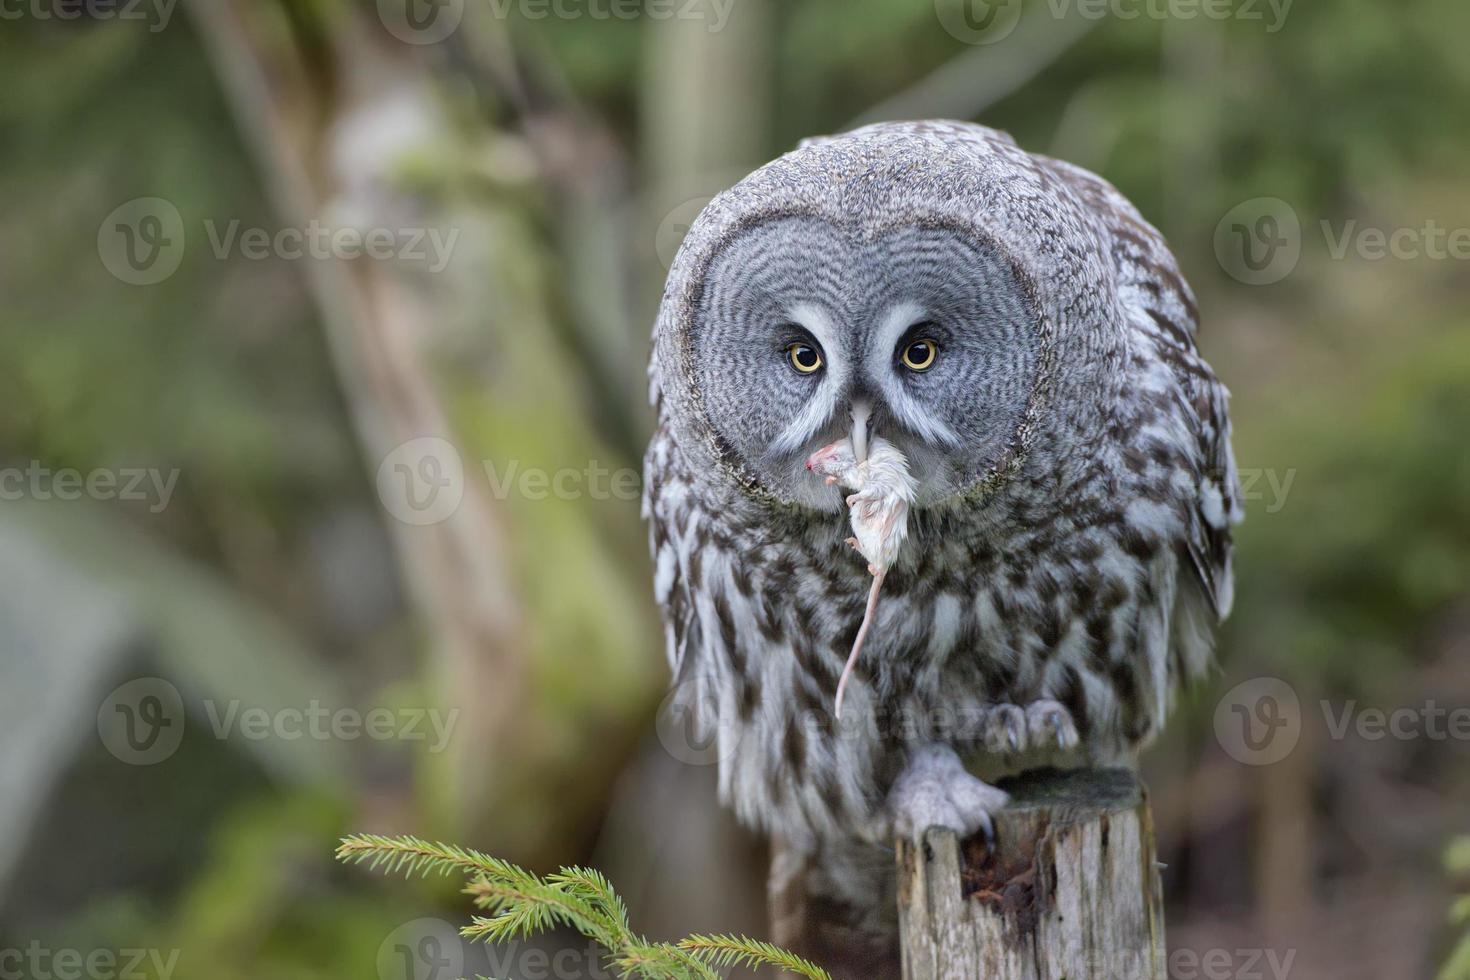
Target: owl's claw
[935,790]
[987,830]
[1005,729]
[1042,726]
[1051,722]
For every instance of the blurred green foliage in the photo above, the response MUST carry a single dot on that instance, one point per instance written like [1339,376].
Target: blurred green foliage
[1351,378]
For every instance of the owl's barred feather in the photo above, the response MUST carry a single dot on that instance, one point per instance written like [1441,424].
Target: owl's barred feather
[1071,538]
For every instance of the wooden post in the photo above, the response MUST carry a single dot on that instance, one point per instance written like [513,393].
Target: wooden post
[1070,892]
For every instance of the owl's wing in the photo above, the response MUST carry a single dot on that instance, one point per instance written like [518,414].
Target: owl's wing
[1166,319]
[666,507]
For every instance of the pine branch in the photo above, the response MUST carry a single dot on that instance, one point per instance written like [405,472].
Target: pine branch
[521,903]
[413,856]
[722,951]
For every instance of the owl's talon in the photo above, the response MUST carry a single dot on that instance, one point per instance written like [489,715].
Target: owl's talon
[1005,729]
[987,830]
[1050,723]
[935,790]
[1042,726]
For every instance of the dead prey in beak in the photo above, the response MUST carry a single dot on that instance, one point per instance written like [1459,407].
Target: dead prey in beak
[882,493]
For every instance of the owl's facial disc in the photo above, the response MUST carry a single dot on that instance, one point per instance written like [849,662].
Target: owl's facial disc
[808,333]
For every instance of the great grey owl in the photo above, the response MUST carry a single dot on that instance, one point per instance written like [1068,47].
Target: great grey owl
[1024,337]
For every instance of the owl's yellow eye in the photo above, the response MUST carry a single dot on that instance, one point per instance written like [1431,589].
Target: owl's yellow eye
[919,355]
[805,358]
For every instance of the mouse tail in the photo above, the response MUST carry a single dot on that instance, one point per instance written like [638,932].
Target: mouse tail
[857,645]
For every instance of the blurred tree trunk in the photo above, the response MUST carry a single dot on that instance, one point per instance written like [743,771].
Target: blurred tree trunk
[707,94]
[534,609]
[706,101]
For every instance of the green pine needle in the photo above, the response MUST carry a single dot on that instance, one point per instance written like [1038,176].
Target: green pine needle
[521,904]
[738,951]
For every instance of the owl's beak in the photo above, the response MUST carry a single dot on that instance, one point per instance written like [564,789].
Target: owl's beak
[861,412]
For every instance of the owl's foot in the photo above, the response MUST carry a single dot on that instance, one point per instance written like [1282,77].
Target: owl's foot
[1050,724]
[1039,727]
[935,790]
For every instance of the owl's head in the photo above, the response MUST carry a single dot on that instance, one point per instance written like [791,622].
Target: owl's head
[902,281]
[808,331]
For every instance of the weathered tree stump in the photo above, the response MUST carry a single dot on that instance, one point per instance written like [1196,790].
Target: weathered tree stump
[1071,890]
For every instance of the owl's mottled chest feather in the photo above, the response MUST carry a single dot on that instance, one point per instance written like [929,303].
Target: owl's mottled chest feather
[1045,592]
